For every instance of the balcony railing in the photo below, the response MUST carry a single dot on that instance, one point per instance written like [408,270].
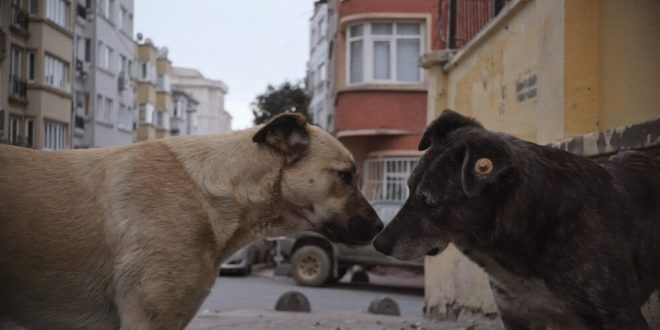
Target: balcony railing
[79,121]
[81,11]
[19,18]
[468,17]
[18,87]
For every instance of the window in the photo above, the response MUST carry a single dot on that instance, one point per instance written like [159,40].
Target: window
[54,135]
[122,63]
[33,8]
[129,68]
[88,49]
[100,54]
[14,133]
[31,63]
[147,71]
[384,52]
[179,108]
[111,11]
[162,120]
[146,114]
[99,107]
[15,62]
[121,18]
[108,113]
[385,178]
[104,109]
[56,11]
[108,58]
[124,117]
[29,133]
[55,72]
[105,56]
[164,82]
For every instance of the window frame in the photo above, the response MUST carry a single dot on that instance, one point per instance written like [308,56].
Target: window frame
[51,67]
[368,60]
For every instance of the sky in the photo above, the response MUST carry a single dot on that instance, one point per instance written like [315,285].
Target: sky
[247,44]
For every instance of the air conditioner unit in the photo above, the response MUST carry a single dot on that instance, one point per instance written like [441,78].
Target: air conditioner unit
[82,68]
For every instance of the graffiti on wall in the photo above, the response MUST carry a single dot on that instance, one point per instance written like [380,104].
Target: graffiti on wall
[526,86]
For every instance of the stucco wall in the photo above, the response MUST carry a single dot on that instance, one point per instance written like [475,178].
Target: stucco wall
[498,82]
[543,71]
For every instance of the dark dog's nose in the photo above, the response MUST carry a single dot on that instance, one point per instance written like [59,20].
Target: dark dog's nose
[383,245]
[379,226]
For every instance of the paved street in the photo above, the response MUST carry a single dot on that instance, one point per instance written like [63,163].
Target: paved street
[261,290]
[248,303]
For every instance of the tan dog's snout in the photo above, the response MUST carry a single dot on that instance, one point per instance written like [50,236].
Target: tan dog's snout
[358,226]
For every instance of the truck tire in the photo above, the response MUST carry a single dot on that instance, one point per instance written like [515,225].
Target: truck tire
[311,266]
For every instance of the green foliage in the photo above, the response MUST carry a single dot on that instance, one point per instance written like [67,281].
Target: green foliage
[285,98]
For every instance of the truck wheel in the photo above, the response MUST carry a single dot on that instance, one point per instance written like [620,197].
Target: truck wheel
[311,266]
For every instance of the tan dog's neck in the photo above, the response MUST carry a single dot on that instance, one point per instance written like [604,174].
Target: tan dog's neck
[240,180]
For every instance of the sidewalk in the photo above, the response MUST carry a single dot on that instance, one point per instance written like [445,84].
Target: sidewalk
[333,320]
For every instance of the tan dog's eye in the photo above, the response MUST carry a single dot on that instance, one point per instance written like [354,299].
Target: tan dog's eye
[483,166]
[346,176]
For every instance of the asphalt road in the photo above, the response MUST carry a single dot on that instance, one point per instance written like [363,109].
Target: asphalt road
[261,290]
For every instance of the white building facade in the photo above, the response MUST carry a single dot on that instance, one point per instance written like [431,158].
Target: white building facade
[320,109]
[104,57]
[210,115]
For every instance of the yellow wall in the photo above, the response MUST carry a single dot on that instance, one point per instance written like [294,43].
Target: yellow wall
[146,93]
[544,71]
[484,84]
[629,62]
[163,100]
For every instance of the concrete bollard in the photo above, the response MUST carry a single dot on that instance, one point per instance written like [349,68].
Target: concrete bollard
[384,306]
[293,301]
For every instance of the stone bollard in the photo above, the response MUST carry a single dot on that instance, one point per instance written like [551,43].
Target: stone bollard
[384,306]
[293,301]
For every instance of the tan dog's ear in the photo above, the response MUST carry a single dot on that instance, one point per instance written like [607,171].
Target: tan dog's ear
[286,133]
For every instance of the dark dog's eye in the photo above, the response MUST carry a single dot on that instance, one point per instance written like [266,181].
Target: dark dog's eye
[346,176]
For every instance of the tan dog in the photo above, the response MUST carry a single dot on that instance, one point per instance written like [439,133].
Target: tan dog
[133,236]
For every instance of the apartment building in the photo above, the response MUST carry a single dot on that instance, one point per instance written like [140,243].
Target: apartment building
[36,47]
[211,116]
[104,58]
[378,89]
[154,91]
[320,109]
[183,120]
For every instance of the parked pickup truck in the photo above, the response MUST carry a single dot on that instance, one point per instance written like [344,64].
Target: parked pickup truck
[316,261]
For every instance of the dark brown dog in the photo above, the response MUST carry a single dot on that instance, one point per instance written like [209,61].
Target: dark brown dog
[568,243]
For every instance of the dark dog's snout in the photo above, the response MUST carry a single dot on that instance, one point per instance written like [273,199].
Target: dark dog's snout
[379,226]
[383,245]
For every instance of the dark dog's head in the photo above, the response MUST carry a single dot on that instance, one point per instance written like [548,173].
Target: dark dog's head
[453,190]
[318,182]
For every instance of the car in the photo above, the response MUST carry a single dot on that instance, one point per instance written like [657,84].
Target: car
[241,262]
[315,261]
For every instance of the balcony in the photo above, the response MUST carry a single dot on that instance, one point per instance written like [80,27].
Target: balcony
[19,18]
[79,122]
[81,11]
[18,87]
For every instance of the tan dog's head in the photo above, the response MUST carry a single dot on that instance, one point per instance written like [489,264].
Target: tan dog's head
[319,181]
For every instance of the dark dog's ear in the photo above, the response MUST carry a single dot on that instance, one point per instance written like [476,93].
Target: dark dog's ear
[448,121]
[483,166]
[286,133]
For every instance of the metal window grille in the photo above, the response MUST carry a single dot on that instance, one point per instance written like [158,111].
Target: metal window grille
[385,179]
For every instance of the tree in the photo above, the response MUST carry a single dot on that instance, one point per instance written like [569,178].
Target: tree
[285,98]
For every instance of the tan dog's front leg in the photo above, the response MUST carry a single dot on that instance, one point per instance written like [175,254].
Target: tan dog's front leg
[132,315]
